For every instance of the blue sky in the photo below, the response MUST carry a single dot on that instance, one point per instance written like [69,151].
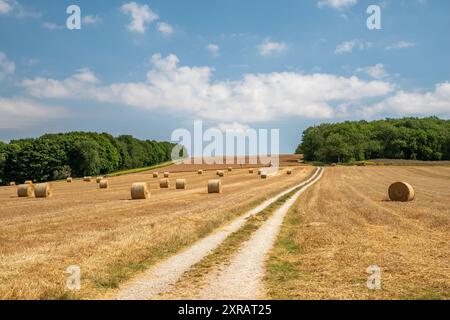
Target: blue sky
[149,67]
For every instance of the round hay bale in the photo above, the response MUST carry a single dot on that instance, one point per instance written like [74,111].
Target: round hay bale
[164,183]
[263,175]
[25,190]
[230,169]
[214,186]
[28,181]
[166,174]
[103,184]
[12,184]
[289,171]
[401,191]
[259,172]
[43,190]
[139,190]
[220,173]
[200,171]
[180,184]
[87,179]
[98,179]
[69,180]
[155,174]
[250,170]
[333,164]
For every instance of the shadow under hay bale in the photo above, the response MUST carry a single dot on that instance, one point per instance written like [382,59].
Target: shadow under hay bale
[401,191]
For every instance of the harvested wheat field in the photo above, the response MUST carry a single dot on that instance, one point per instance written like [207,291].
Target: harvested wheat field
[111,237]
[345,223]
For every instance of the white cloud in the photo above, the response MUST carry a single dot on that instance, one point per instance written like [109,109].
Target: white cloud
[165,28]
[336,4]
[7,67]
[5,7]
[234,127]
[32,62]
[349,46]
[191,91]
[81,84]
[92,20]
[406,103]
[140,16]
[268,47]
[19,112]
[13,6]
[52,26]
[400,45]
[377,71]
[214,49]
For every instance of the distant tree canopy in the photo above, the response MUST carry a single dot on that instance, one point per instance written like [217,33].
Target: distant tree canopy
[77,154]
[408,138]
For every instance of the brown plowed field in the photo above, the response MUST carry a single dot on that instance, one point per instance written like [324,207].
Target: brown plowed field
[110,236]
[345,223]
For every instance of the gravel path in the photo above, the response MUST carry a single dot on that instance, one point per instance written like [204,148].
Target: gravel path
[241,279]
[165,274]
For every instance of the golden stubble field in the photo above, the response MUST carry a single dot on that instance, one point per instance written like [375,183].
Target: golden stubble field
[345,223]
[111,237]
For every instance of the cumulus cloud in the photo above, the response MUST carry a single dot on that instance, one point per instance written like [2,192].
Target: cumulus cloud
[191,90]
[214,49]
[234,127]
[377,71]
[52,26]
[18,112]
[5,7]
[268,47]
[165,29]
[400,45]
[7,67]
[336,4]
[405,103]
[349,46]
[141,15]
[81,84]
[91,20]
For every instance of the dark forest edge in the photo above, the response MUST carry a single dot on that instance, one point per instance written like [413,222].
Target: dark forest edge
[426,139]
[77,154]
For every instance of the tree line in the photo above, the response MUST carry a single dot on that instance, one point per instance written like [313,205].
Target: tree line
[77,154]
[425,139]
